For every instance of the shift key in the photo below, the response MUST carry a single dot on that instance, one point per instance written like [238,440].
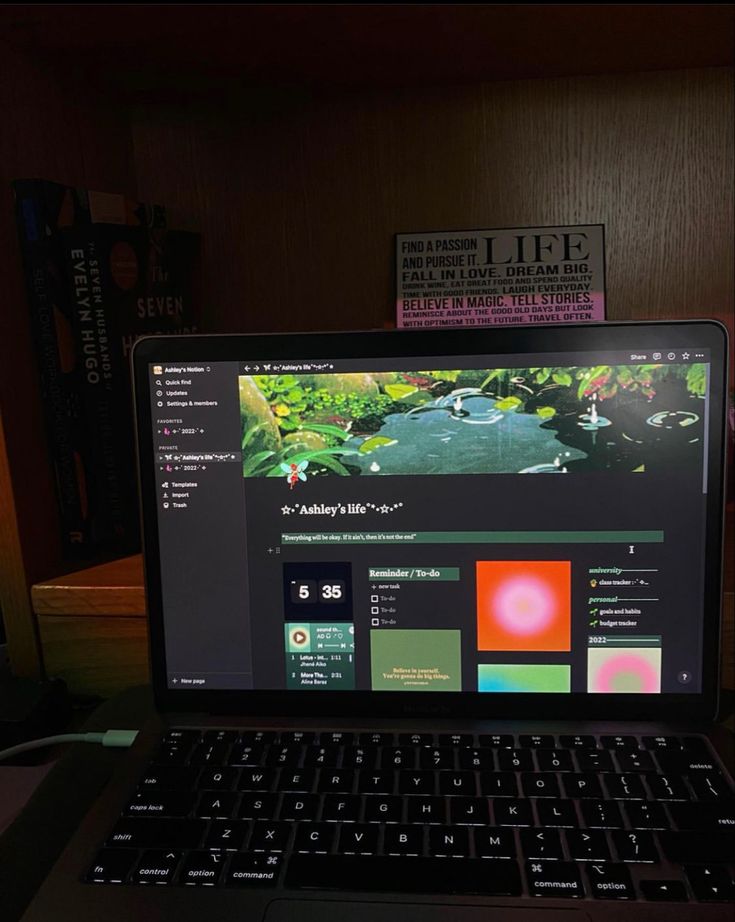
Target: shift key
[157,833]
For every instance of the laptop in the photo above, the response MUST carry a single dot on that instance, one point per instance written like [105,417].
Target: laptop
[434,625]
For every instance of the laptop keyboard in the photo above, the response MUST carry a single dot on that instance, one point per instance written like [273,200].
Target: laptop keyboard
[597,817]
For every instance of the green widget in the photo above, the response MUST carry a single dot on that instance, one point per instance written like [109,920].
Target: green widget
[475,537]
[320,655]
[416,660]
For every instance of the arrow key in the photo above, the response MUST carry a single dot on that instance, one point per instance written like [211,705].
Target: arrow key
[711,883]
[664,891]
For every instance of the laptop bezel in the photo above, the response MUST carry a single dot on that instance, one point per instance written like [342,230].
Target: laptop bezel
[230,347]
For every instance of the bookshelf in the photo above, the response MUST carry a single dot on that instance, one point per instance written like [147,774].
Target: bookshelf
[299,139]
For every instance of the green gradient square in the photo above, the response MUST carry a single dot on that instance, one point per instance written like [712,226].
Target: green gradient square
[516,677]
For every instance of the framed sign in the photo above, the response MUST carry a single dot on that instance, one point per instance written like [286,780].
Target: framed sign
[525,275]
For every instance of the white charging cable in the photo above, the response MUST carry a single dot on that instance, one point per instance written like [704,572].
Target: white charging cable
[120,738]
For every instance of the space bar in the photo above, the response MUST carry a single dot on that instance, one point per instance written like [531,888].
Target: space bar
[403,874]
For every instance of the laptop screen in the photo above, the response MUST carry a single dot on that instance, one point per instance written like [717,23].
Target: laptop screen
[509,523]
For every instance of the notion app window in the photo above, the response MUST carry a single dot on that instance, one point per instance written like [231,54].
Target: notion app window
[477,524]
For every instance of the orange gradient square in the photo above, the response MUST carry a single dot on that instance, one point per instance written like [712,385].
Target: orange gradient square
[524,604]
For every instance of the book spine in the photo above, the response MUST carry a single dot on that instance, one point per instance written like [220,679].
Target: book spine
[46,290]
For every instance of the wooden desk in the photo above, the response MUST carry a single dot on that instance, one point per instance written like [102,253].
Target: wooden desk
[94,631]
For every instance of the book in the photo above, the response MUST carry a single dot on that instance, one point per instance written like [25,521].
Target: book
[101,270]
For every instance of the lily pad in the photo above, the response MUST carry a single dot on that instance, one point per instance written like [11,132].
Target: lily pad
[376,441]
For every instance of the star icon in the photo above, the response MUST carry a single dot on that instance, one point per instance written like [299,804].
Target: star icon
[384,509]
[286,510]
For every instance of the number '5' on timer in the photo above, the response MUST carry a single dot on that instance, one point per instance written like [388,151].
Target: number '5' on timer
[309,591]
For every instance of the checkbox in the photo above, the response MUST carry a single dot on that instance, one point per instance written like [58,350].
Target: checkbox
[373,598]
[375,622]
[374,610]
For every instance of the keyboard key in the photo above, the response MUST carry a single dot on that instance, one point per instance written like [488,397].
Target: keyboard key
[554,760]
[635,846]
[220,779]
[174,753]
[183,735]
[578,742]
[710,787]
[657,743]
[704,816]
[404,840]
[696,847]
[536,742]
[515,760]
[163,803]
[279,756]
[269,837]
[602,814]
[253,870]
[634,760]
[610,882]
[642,815]
[257,737]
[494,843]
[618,742]
[360,757]
[220,736]
[321,756]
[582,785]
[541,843]
[686,763]
[358,839]
[371,738]
[416,739]
[398,757]
[499,784]
[299,807]
[459,783]
[340,808]
[436,757]
[375,782]
[449,841]
[297,737]
[302,779]
[168,778]
[587,845]
[260,779]
[112,866]
[711,883]
[334,780]
[314,837]
[336,738]
[540,784]
[226,835]
[263,806]
[154,832]
[624,787]
[556,813]
[666,787]
[426,810]
[469,811]
[594,760]
[217,804]
[201,869]
[475,759]
[695,744]
[417,783]
[456,739]
[156,867]
[247,754]
[497,740]
[512,813]
[210,754]
[664,891]
[554,878]
[403,874]
[383,809]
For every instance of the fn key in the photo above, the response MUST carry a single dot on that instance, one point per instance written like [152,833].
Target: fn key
[112,866]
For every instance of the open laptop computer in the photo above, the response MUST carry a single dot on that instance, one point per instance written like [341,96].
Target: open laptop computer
[399,675]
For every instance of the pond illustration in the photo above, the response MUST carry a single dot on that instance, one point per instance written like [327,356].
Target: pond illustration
[628,418]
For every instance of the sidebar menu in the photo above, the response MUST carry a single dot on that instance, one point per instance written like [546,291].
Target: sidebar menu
[201,523]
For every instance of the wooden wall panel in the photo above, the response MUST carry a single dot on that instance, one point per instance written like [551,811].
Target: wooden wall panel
[298,197]
[53,128]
